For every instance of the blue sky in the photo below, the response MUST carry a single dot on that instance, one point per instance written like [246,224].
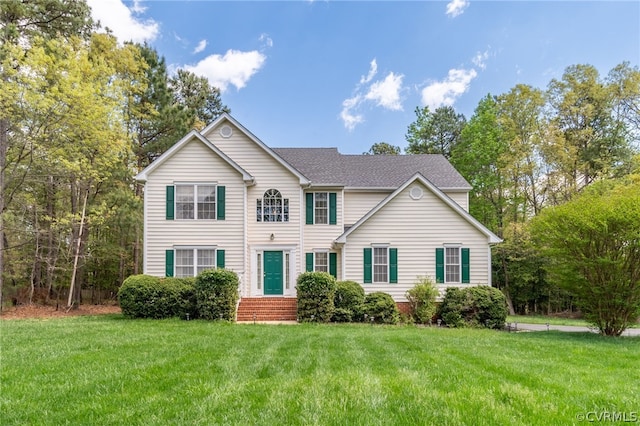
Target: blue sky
[350,74]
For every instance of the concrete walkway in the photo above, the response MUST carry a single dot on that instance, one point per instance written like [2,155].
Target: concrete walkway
[568,328]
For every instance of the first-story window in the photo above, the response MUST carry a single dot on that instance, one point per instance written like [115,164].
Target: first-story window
[452,264]
[190,262]
[380,264]
[321,262]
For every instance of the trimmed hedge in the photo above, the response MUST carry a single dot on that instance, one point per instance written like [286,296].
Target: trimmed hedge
[478,306]
[316,292]
[382,308]
[216,294]
[144,296]
[422,301]
[348,302]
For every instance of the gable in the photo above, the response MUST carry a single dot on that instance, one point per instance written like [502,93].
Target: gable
[247,150]
[418,206]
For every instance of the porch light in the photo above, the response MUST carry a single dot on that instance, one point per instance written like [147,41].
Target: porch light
[272,237]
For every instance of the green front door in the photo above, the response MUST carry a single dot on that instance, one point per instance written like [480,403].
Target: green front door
[272,272]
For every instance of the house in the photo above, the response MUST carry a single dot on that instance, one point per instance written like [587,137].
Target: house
[222,198]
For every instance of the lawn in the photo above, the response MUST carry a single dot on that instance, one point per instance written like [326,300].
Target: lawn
[107,370]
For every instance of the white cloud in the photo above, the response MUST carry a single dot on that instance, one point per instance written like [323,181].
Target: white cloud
[456,7]
[113,14]
[234,68]
[200,47]
[386,93]
[480,60]
[445,93]
[266,40]
[373,70]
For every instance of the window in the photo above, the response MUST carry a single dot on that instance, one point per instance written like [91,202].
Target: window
[191,261]
[272,207]
[321,262]
[195,201]
[321,208]
[452,265]
[259,265]
[380,265]
[286,270]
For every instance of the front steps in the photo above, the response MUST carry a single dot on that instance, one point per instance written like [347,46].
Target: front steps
[267,309]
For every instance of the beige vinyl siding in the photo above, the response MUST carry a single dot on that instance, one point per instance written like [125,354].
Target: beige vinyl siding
[415,228]
[193,163]
[268,174]
[357,204]
[462,198]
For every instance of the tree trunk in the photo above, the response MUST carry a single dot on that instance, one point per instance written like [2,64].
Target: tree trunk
[4,145]
[77,253]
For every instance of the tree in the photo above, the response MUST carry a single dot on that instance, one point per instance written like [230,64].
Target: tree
[435,133]
[20,24]
[592,244]
[201,100]
[383,148]
[479,157]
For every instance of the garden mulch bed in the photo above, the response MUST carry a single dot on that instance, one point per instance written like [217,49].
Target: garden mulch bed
[43,311]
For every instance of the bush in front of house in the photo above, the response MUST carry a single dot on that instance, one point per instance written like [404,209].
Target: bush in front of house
[216,294]
[478,306]
[316,292]
[186,297]
[144,296]
[348,302]
[422,300]
[381,307]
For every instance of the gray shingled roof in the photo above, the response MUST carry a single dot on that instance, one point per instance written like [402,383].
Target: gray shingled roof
[326,166]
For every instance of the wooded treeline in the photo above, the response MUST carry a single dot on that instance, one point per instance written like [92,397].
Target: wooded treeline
[80,115]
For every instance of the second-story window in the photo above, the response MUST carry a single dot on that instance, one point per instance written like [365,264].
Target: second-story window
[195,201]
[272,207]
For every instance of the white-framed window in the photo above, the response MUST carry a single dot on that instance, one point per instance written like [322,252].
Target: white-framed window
[380,264]
[286,270]
[259,267]
[195,201]
[192,261]
[272,207]
[321,208]
[452,265]
[321,261]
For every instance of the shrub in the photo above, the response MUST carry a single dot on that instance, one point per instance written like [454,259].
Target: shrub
[316,292]
[422,301]
[186,307]
[144,296]
[348,302]
[216,294]
[478,306]
[382,308]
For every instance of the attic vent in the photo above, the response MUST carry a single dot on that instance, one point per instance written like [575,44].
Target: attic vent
[416,193]
[226,131]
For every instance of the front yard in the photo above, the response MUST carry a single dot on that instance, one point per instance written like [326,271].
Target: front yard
[110,370]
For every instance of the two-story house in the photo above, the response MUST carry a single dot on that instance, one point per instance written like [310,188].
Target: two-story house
[223,198]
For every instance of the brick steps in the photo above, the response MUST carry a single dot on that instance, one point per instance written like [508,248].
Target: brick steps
[267,309]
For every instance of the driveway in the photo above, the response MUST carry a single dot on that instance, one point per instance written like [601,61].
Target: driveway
[568,328]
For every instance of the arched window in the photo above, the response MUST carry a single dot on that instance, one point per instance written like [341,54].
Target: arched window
[272,207]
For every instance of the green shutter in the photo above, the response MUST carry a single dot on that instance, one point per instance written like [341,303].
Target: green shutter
[367,265]
[309,208]
[220,258]
[170,201]
[393,265]
[168,263]
[333,216]
[220,202]
[333,264]
[465,265]
[439,265]
[309,262]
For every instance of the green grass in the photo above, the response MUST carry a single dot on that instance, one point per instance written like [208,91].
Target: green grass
[112,371]
[542,319]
